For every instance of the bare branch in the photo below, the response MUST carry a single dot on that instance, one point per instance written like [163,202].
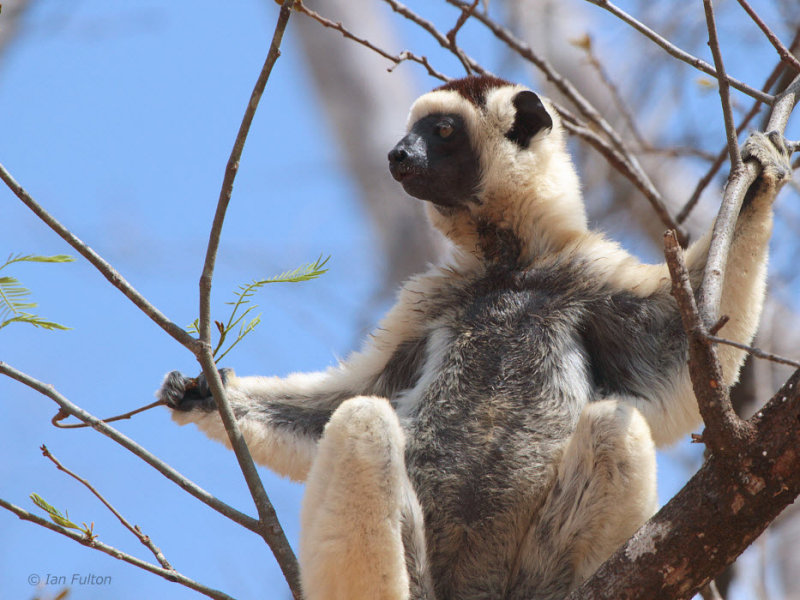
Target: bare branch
[718,162]
[617,160]
[783,51]
[689,540]
[168,574]
[754,351]
[134,529]
[268,527]
[192,488]
[724,429]
[738,184]
[232,168]
[61,415]
[586,44]
[396,59]
[724,94]
[469,64]
[451,35]
[676,52]
[117,280]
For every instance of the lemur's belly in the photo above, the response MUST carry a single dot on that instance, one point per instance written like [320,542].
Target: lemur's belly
[483,456]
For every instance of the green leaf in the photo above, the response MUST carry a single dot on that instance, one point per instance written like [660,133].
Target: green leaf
[240,309]
[54,514]
[57,258]
[15,298]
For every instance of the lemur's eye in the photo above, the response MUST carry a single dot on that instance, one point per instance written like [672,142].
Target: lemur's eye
[445,130]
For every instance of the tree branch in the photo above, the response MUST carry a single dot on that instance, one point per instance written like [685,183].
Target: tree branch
[168,574]
[192,488]
[712,171]
[451,35]
[676,52]
[783,51]
[268,527]
[720,511]
[725,431]
[134,529]
[396,59]
[724,93]
[119,282]
[738,184]
[469,64]
[758,353]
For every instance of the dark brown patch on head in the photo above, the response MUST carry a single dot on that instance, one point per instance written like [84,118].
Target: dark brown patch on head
[474,88]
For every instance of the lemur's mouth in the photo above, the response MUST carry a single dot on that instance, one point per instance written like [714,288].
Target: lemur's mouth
[402,171]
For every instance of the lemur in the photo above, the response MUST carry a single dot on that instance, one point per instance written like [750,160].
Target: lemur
[494,438]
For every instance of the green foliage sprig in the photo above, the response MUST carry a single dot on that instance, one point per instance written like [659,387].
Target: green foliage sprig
[62,519]
[15,298]
[240,309]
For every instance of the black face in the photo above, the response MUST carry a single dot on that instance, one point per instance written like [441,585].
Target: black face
[436,162]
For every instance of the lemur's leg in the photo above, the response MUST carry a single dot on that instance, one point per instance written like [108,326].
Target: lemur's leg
[280,433]
[362,532]
[604,490]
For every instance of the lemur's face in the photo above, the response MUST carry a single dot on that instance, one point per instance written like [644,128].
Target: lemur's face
[436,162]
[464,132]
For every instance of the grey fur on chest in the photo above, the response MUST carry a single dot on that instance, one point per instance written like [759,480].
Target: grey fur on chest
[507,339]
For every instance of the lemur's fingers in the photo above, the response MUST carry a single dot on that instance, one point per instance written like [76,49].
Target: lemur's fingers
[186,393]
[773,152]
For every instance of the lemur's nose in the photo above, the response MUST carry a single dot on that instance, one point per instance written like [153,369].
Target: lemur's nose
[397,154]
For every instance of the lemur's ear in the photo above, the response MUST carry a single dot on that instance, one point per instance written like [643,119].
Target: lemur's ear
[531,117]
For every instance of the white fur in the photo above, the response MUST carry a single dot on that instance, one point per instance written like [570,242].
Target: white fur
[351,545]
[357,489]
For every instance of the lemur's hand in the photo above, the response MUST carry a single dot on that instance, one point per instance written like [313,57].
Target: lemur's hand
[771,150]
[185,393]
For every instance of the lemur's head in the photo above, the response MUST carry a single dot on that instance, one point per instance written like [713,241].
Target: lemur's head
[489,156]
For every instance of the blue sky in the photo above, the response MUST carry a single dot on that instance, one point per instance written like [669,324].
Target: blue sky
[118,118]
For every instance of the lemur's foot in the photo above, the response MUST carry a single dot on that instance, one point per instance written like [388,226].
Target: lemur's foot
[186,393]
[772,152]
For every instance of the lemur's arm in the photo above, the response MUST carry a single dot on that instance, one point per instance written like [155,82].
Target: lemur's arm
[636,341]
[283,418]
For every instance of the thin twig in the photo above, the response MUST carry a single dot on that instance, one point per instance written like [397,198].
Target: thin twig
[269,526]
[117,280]
[724,429]
[451,35]
[159,465]
[724,89]
[754,351]
[720,159]
[405,55]
[676,52]
[168,574]
[702,184]
[617,161]
[783,51]
[585,44]
[134,529]
[738,184]
[61,415]
[404,11]
[423,60]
